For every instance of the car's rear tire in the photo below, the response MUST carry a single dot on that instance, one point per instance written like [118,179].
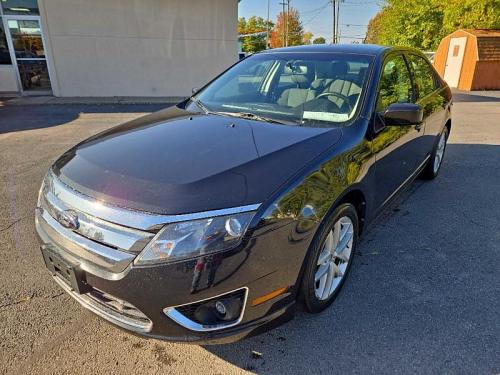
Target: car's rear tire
[432,168]
[330,258]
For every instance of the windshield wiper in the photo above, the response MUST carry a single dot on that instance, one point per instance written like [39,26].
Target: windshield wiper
[200,104]
[246,115]
[252,116]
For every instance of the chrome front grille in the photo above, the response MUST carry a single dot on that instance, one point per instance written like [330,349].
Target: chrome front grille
[97,244]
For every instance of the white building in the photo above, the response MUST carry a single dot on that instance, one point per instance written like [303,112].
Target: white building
[114,47]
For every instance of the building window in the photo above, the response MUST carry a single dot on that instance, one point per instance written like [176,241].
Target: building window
[4,49]
[20,7]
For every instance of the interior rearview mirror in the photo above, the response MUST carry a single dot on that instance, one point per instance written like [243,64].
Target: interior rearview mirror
[403,114]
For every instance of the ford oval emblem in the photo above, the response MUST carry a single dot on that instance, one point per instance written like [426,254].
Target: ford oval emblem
[68,219]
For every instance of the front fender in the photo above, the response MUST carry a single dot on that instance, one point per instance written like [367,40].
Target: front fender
[301,207]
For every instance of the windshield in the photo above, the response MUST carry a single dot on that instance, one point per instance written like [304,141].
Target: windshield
[291,88]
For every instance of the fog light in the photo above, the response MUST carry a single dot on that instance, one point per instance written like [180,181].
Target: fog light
[220,307]
[216,313]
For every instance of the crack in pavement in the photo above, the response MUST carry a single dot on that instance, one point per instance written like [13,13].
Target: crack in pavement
[13,223]
[29,298]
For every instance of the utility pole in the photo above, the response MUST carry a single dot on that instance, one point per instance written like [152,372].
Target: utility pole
[287,20]
[285,23]
[334,30]
[267,25]
[336,21]
[337,33]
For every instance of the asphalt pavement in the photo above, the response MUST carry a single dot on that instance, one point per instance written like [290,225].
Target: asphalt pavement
[423,295]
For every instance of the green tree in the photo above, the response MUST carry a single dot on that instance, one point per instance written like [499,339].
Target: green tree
[307,38]
[374,28]
[471,14]
[319,40]
[423,23]
[254,25]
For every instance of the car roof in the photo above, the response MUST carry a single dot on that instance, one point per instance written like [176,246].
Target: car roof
[368,49]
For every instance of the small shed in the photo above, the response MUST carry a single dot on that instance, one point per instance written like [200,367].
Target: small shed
[470,59]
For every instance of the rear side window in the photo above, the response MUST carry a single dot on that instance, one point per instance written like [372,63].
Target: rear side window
[395,83]
[423,75]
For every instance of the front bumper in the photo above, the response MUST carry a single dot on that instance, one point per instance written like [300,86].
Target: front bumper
[153,289]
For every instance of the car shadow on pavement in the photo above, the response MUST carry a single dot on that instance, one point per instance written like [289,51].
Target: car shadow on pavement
[465,97]
[15,118]
[422,295]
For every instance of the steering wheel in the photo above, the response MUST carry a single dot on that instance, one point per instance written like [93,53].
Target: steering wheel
[343,97]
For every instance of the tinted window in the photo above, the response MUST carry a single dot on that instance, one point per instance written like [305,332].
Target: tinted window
[423,74]
[4,50]
[316,89]
[395,83]
[20,7]
[248,83]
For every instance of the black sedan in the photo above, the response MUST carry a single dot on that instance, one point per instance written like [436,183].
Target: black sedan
[211,220]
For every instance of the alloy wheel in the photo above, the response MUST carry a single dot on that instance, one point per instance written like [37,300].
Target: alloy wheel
[334,258]
[439,152]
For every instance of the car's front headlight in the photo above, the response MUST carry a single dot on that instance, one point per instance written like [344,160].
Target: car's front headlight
[189,239]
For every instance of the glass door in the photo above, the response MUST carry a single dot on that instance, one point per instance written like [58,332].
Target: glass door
[24,35]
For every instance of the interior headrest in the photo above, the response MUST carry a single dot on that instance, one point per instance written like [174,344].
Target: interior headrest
[361,74]
[340,68]
[299,78]
[323,70]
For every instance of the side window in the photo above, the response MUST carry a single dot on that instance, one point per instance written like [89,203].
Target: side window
[423,74]
[395,83]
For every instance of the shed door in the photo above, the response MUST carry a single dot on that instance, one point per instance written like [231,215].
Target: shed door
[454,61]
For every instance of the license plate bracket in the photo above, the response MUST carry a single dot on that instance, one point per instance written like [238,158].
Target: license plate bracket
[71,274]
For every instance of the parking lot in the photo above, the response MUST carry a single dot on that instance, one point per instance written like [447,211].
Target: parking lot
[423,295]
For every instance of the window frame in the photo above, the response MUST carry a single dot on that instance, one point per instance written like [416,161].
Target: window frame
[3,13]
[2,25]
[435,79]
[382,66]
[378,123]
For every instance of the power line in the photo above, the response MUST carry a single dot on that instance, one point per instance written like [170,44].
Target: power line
[318,12]
[353,25]
[360,2]
[315,9]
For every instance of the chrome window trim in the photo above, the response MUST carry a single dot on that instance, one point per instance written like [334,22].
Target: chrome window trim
[104,313]
[185,322]
[131,218]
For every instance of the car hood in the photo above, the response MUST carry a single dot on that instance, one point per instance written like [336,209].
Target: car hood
[175,162]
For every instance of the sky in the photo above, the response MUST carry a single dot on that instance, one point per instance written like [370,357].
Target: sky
[316,15]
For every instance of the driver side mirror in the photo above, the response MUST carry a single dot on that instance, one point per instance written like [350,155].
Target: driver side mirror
[194,90]
[401,114]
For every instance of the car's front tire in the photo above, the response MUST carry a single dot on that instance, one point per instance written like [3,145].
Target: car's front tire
[432,168]
[330,258]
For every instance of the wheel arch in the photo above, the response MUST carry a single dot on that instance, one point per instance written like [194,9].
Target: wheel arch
[448,125]
[355,196]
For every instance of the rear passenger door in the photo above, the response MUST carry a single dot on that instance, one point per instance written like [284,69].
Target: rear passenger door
[431,98]
[396,147]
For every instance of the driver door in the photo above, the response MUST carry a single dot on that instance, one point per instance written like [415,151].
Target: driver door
[395,147]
